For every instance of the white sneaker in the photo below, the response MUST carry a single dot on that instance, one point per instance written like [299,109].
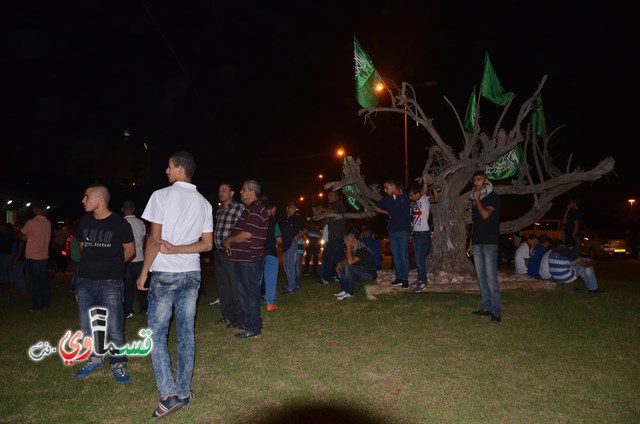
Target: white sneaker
[215,302]
[344,296]
[342,293]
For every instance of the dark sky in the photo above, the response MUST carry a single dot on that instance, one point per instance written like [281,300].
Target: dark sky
[265,90]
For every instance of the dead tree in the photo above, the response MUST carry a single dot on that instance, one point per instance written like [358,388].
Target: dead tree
[538,179]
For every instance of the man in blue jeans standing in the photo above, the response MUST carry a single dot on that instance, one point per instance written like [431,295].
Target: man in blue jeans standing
[485,237]
[397,205]
[181,228]
[107,243]
[245,246]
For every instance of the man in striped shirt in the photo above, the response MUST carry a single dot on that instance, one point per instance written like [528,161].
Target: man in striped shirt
[359,265]
[245,247]
[565,265]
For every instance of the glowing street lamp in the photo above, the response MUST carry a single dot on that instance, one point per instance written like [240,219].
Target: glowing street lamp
[631,202]
[340,152]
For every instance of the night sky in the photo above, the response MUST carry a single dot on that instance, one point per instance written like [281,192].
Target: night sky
[266,90]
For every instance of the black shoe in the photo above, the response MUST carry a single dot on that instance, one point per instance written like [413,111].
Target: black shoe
[495,319]
[223,321]
[167,406]
[481,312]
[186,401]
[286,292]
[598,290]
[405,284]
[396,283]
[246,334]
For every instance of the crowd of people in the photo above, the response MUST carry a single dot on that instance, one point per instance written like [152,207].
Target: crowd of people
[116,257]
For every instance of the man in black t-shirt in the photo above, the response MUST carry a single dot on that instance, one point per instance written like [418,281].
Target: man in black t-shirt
[359,265]
[107,243]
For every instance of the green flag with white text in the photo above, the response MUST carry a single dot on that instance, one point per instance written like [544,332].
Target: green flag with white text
[470,116]
[537,117]
[366,77]
[491,89]
[506,166]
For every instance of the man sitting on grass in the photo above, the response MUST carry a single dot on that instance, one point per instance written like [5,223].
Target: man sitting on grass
[359,265]
[565,265]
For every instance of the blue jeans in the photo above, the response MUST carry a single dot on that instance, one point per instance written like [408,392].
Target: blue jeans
[350,274]
[270,269]
[485,259]
[292,267]
[169,290]
[399,241]
[227,288]
[249,277]
[40,290]
[587,274]
[421,248]
[107,294]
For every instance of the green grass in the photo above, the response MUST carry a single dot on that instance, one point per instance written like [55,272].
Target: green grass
[558,357]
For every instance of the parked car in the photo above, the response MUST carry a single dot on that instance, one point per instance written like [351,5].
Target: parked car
[609,244]
[553,228]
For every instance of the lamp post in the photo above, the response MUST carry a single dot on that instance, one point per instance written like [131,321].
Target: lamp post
[631,202]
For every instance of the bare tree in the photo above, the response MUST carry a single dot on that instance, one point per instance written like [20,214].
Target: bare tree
[538,179]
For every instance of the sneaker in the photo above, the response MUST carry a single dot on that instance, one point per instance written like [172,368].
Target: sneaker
[129,315]
[396,283]
[481,312]
[246,334]
[286,292]
[120,372]
[419,288]
[342,293]
[186,401]
[598,290]
[344,296]
[496,319]
[167,406]
[215,302]
[223,321]
[88,368]
[272,307]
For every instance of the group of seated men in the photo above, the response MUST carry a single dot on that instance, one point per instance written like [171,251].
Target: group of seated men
[559,260]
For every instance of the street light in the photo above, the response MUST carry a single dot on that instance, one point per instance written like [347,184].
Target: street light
[631,202]
[406,144]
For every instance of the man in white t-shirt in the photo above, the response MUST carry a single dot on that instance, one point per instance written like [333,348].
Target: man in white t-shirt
[421,232]
[181,228]
[523,253]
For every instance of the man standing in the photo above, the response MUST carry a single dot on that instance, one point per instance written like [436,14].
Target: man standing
[37,231]
[485,237]
[181,227]
[572,221]
[270,265]
[107,243]
[397,205]
[421,232]
[226,217]
[245,246]
[292,228]
[332,253]
[132,269]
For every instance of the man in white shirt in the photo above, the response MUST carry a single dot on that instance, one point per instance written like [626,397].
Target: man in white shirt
[523,252]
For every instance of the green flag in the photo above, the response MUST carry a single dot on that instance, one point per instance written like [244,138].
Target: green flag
[470,116]
[506,166]
[491,89]
[349,191]
[366,77]
[537,117]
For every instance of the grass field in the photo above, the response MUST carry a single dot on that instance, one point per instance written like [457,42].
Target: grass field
[557,357]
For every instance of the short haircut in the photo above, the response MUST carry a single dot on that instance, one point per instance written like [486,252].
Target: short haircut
[393,181]
[128,205]
[186,161]
[254,186]
[228,184]
[479,173]
[532,237]
[414,188]
[102,189]
[544,238]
